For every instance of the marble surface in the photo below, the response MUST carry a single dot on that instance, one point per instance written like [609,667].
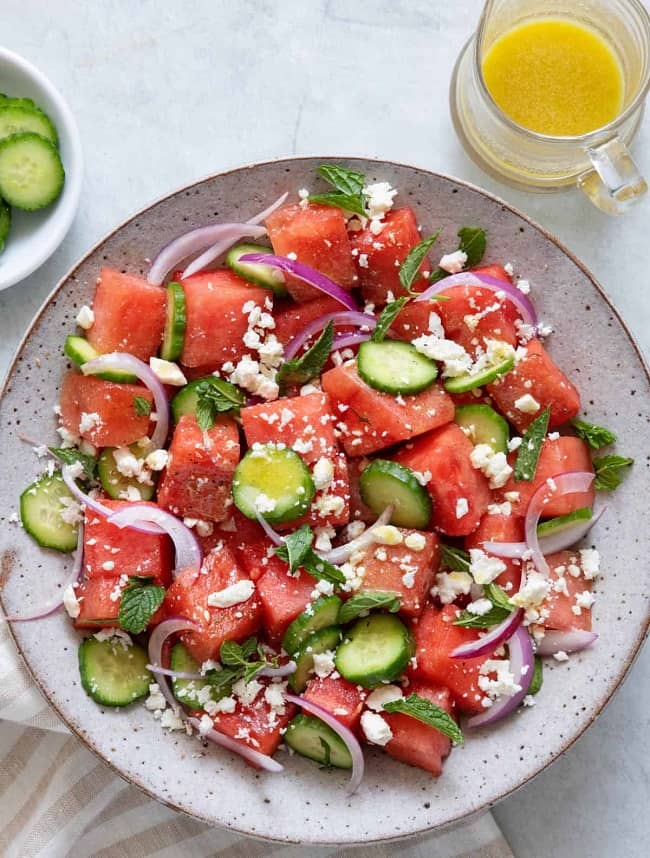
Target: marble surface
[167,93]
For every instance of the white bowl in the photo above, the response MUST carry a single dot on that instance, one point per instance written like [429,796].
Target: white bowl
[34,236]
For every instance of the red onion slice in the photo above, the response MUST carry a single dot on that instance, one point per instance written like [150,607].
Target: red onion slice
[574,640]
[469,278]
[272,534]
[197,240]
[186,545]
[565,484]
[224,244]
[493,639]
[306,274]
[159,635]
[123,362]
[342,552]
[347,736]
[352,317]
[343,341]
[255,758]
[522,667]
[565,538]
[174,674]
[54,604]
[284,670]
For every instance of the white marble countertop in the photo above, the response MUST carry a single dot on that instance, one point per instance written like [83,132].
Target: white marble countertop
[166,93]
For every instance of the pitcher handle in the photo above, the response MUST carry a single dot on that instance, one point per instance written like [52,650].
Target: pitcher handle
[615,182]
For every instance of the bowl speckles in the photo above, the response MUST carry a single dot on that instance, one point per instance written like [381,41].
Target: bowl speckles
[308,804]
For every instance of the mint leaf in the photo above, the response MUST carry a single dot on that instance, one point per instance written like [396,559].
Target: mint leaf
[327,753]
[231,654]
[473,241]
[493,617]
[138,604]
[222,680]
[610,471]
[531,445]
[497,595]
[215,397]
[296,546]
[595,436]
[348,202]
[70,455]
[345,181]
[409,269]
[321,569]
[424,710]
[249,647]
[538,676]
[301,369]
[455,559]
[370,601]
[142,406]
[386,319]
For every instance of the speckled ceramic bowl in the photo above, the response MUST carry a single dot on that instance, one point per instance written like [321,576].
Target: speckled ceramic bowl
[307,804]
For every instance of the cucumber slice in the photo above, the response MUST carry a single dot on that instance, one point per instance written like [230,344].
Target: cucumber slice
[175,321]
[18,116]
[116,484]
[41,507]
[469,381]
[79,350]
[312,738]
[261,275]
[187,398]
[5,223]
[187,691]
[321,641]
[562,522]
[112,673]
[383,483]
[376,649]
[485,426]
[393,366]
[31,172]
[274,481]
[319,615]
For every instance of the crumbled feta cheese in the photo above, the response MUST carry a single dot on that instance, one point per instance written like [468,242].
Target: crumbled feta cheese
[450,585]
[236,593]
[157,460]
[512,497]
[171,721]
[509,269]
[590,562]
[379,199]
[503,685]
[494,465]
[168,372]
[263,503]
[246,692]
[323,663]
[131,493]
[484,569]
[205,725]
[85,318]
[117,636]
[480,607]
[534,591]
[514,444]
[462,507]
[108,565]
[303,193]
[156,699]
[388,534]
[363,260]
[70,602]
[453,262]
[88,422]
[523,286]
[375,729]
[560,655]
[585,600]
[454,357]
[415,541]
[384,694]
[225,705]
[527,404]
[274,696]
[323,473]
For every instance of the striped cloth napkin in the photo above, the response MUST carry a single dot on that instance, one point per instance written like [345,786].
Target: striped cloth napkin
[57,800]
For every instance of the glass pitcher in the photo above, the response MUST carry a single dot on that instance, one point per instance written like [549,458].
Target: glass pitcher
[598,162]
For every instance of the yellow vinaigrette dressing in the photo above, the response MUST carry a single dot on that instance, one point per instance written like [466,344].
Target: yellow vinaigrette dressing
[555,76]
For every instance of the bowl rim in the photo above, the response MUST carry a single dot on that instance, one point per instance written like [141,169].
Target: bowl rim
[644,629]
[60,220]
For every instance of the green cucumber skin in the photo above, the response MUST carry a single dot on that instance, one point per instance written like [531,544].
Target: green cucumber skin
[545,528]
[134,679]
[29,116]
[465,383]
[175,323]
[321,641]
[34,500]
[375,368]
[245,491]
[396,478]
[353,661]
[320,614]
[305,734]
[79,350]
[44,190]
[260,275]
[5,223]
[115,483]
[490,428]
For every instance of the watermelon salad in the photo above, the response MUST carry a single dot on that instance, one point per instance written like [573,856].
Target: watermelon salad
[322,493]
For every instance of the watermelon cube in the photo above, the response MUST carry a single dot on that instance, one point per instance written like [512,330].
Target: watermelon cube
[317,235]
[500,528]
[102,412]
[338,696]
[564,612]
[283,597]
[414,742]
[216,321]
[189,595]
[255,725]
[460,493]
[435,638]
[537,376]
[370,420]
[407,569]
[129,315]
[292,318]
[198,476]
[379,257]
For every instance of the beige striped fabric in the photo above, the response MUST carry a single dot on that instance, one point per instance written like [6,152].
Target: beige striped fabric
[58,801]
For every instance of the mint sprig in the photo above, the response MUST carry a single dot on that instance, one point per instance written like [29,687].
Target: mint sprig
[453,558]
[370,601]
[216,398]
[71,455]
[410,269]
[298,553]
[141,406]
[140,601]
[531,446]
[595,436]
[302,369]
[424,710]
[610,471]
[386,319]
[348,187]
